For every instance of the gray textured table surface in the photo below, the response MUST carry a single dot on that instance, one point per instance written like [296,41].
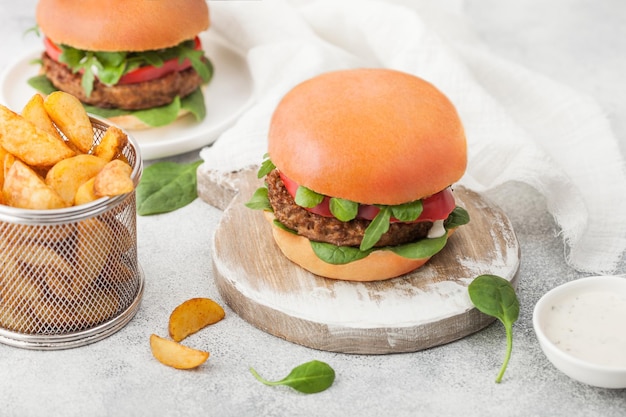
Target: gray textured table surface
[581,43]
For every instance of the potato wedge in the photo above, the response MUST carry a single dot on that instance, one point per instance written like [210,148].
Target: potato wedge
[35,112]
[67,112]
[174,354]
[193,315]
[114,179]
[23,188]
[93,246]
[3,154]
[85,192]
[27,142]
[68,175]
[111,144]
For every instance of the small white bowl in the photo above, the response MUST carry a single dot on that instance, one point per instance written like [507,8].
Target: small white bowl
[581,328]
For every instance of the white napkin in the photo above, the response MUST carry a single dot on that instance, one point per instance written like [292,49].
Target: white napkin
[520,125]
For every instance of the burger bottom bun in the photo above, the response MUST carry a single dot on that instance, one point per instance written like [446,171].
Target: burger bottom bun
[379,265]
[130,122]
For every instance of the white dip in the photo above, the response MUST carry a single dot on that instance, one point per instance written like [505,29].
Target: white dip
[590,325]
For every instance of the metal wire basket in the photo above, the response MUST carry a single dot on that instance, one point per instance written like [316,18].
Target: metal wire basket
[69,277]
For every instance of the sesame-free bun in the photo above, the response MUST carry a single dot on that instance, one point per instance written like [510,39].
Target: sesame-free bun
[373,136]
[377,266]
[122,25]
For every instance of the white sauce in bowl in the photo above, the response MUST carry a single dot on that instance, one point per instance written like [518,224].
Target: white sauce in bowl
[590,325]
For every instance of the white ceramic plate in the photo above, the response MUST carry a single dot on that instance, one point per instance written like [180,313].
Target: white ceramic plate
[228,94]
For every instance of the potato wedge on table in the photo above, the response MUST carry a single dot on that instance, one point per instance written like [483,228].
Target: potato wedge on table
[67,112]
[27,142]
[174,354]
[193,315]
[114,179]
[68,175]
[23,188]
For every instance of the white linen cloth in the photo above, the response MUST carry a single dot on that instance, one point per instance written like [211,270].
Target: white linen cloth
[520,126]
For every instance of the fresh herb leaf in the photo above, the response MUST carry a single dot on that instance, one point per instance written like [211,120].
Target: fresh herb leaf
[259,200]
[421,249]
[267,166]
[166,186]
[195,104]
[458,217]
[407,212]
[344,210]
[309,378]
[278,224]
[306,197]
[495,296]
[164,116]
[377,227]
[42,84]
[338,255]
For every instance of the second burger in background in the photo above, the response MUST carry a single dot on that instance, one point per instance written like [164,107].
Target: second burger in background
[138,63]
[358,174]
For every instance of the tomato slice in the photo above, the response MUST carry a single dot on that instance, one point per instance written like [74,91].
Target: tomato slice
[138,75]
[436,207]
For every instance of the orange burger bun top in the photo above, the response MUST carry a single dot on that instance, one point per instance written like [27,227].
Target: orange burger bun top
[373,136]
[98,25]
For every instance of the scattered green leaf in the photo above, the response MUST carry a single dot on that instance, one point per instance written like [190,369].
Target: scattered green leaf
[309,378]
[495,296]
[166,186]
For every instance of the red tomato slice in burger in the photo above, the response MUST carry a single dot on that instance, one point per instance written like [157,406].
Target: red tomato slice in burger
[140,74]
[436,207]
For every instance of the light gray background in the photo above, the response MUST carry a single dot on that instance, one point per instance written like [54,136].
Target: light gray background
[579,42]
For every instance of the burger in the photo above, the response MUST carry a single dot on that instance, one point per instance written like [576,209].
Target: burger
[138,63]
[358,174]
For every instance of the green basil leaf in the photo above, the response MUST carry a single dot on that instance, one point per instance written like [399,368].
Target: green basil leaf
[42,84]
[160,116]
[407,212]
[378,227]
[344,210]
[166,186]
[283,227]
[458,217]
[423,248]
[309,378]
[307,198]
[195,104]
[267,166]
[338,255]
[259,200]
[495,296]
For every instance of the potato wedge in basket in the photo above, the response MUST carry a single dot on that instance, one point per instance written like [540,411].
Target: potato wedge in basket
[70,116]
[193,315]
[114,179]
[174,354]
[111,144]
[68,175]
[27,142]
[35,112]
[23,188]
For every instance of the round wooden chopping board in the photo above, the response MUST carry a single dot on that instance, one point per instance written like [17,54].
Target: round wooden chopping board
[425,308]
